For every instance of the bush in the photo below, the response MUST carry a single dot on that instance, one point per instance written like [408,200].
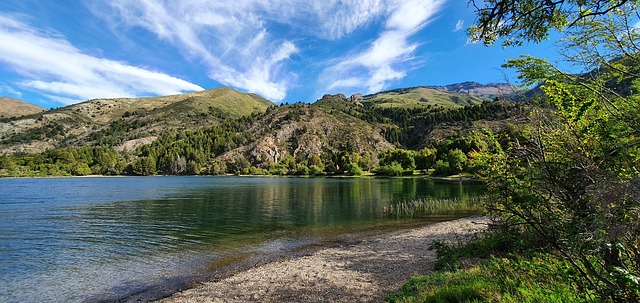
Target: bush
[394,169]
[353,169]
[441,168]
[316,170]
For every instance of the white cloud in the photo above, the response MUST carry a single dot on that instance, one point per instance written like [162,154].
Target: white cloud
[252,44]
[637,25]
[459,25]
[236,40]
[386,58]
[6,89]
[328,19]
[51,65]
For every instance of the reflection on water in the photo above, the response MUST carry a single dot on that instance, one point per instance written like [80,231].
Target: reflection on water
[68,239]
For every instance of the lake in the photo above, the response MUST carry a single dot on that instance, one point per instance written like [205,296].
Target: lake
[108,238]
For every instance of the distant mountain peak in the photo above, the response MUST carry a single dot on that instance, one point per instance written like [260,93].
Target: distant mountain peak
[490,91]
[10,107]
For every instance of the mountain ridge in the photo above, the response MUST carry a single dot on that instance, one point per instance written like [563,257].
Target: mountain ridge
[128,123]
[11,108]
[115,121]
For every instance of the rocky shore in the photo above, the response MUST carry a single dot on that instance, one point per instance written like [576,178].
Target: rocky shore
[366,270]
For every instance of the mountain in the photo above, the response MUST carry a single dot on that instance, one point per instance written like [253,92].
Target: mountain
[125,123]
[488,91]
[224,131]
[420,97]
[10,107]
[327,136]
[332,125]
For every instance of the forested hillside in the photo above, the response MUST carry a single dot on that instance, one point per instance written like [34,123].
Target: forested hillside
[188,135]
[124,123]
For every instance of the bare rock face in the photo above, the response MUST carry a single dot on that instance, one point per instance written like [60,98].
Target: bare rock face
[356,98]
[310,145]
[490,91]
[267,150]
[131,145]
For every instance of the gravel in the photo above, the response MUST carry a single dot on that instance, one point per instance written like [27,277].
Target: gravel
[367,270]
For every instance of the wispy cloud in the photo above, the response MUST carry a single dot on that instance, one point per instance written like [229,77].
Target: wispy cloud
[388,57]
[459,25]
[49,64]
[10,91]
[330,19]
[239,41]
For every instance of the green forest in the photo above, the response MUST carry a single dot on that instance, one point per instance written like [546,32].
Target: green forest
[196,152]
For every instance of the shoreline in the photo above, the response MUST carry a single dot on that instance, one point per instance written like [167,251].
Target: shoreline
[360,270]
[367,176]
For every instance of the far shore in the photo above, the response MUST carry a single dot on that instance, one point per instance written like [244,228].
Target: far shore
[368,175]
[366,269]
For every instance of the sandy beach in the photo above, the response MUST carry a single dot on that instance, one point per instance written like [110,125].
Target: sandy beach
[366,270]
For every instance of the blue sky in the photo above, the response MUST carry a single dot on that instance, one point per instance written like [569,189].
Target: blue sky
[55,53]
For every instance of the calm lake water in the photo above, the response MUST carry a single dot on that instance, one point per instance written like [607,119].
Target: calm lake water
[104,239]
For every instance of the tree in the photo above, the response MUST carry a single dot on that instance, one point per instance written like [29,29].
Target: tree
[404,157]
[457,160]
[441,168]
[574,180]
[392,169]
[316,170]
[144,166]
[365,161]
[353,169]
[531,20]
[7,163]
[425,158]
[80,169]
[315,160]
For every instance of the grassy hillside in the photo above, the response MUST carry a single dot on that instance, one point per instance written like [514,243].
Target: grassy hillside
[420,97]
[225,131]
[10,107]
[335,135]
[125,122]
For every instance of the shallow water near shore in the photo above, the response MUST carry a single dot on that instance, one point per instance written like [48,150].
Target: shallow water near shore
[108,239]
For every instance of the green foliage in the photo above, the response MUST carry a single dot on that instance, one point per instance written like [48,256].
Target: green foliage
[457,160]
[316,170]
[401,156]
[54,130]
[353,169]
[64,162]
[393,169]
[411,125]
[425,158]
[497,241]
[144,166]
[538,278]
[574,179]
[302,169]
[532,20]
[80,169]
[442,168]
